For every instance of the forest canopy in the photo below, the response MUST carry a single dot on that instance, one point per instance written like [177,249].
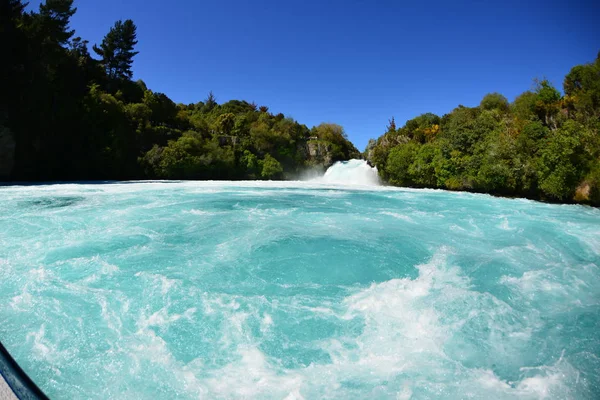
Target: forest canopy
[69,114]
[543,145]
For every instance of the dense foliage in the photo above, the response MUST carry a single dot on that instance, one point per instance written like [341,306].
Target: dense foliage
[65,115]
[543,145]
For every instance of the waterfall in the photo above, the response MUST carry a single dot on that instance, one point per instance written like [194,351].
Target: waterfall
[351,172]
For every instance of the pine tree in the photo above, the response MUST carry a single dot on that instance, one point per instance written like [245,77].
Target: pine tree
[12,42]
[210,102]
[55,16]
[392,125]
[10,10]
[116,50]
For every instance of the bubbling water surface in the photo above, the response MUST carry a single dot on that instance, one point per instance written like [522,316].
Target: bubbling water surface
[298,290]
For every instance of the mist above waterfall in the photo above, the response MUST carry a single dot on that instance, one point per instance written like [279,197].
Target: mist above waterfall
[351,172]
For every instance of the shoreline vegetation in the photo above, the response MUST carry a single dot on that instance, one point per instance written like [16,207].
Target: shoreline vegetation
[66,115]
[542,146]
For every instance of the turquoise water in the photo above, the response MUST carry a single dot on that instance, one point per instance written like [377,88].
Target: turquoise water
[298,290]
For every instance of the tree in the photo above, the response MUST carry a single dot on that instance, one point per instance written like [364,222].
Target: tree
[11,11]
[225,123]
[399,162]
[560,162]
[55,99]
[164,110]
[391,126]
[422,168]
[547,104]
[335,136]
[12,45]
[79,50]
[55,15]
[330,132]
[271,168]
[524,105]
[494,101]
[582,89]
[249,162]
[459,128]
[542,145]
[422,128]
[117,50]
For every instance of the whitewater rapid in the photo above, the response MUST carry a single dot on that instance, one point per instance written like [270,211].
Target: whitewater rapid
[298,290]
[352,172]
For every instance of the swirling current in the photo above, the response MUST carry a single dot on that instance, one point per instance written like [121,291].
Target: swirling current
[298,290]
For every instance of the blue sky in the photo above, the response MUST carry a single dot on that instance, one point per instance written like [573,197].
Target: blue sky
[355,63]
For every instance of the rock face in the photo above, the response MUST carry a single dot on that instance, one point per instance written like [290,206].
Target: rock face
[7,152]
[582,193]
[318,153]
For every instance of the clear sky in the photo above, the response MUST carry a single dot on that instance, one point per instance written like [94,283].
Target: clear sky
[355,63]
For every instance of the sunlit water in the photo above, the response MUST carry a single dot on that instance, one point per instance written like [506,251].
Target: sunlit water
[298,290]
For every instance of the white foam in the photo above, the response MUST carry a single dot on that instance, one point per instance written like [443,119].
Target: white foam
[162,318]
[398,338]
[199,212]
[23,301]
[266,323]
[399,315]
[253,377]
[352,172]
[110,316]
[398,216]
[295,395]
[44,348]
[504,225]
[159,281]
[535,281]
[39,274]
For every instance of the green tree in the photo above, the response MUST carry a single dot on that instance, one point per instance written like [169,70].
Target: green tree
[495,171]
[164,110]
[392,126]
[540,146]
[335,136]
[271,168]
[561,161]
[458,127]
[225,123]
[117,50]
[494,101]
[399,162]
[55,16]
[210,103]
[547,104]
[55,99]
[249,162]
[422,169]
[13,44]
[524,106]
[582,90]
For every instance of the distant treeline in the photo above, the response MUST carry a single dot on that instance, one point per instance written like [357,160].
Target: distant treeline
[543,145]
[65,115]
